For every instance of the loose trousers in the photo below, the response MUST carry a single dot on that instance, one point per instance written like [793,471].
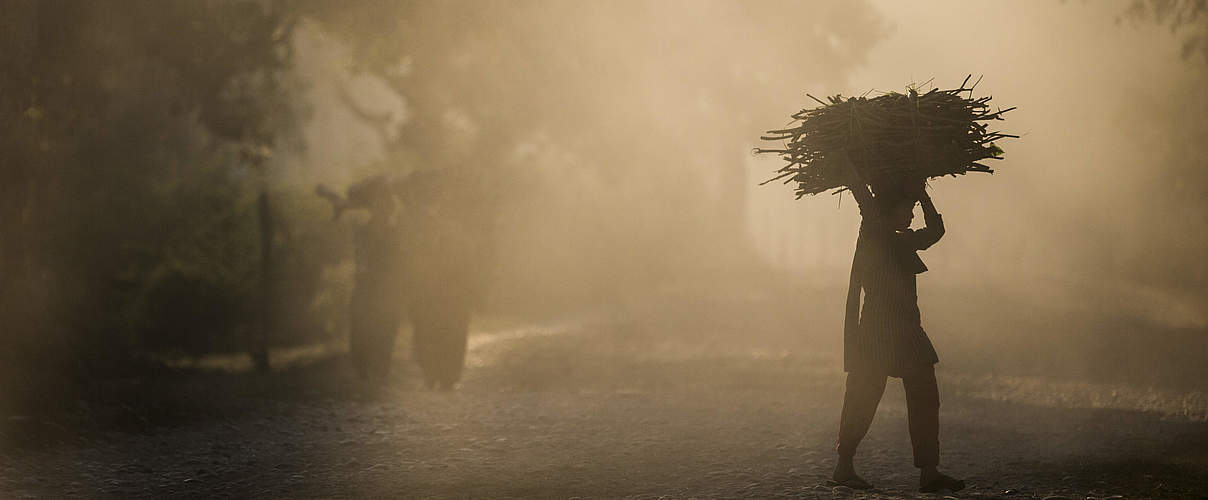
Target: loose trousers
[864,391]
[439,338]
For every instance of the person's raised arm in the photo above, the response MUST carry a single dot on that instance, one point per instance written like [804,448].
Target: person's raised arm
[859,189]
[864,198]
[927,236]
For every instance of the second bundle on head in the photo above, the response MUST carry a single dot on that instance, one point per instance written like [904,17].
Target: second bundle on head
[887,139]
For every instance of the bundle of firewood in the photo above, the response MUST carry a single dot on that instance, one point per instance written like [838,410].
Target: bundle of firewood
[887,139]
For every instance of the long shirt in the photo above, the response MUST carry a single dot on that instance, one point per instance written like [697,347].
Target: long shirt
[887,335]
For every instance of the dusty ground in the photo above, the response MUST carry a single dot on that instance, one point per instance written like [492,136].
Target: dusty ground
[594,408]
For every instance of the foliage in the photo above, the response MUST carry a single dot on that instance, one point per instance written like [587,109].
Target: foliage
[1188,18]
[142,130]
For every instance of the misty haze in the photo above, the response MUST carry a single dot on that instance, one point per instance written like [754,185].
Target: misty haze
[526,249]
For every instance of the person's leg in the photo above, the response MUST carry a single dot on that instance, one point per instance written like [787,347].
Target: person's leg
[923,415]
[356,346]
[457,331]
[860,402]
[423,338]
[385,347]
[356,351]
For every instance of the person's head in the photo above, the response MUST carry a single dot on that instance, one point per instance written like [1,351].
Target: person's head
[897,208]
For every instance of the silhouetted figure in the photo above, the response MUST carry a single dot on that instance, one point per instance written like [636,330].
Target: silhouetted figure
[886,339]
[448,249]
[376,304]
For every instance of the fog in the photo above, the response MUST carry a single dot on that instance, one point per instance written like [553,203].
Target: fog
[488,248]
[600,155]
[619,134]
[627,168]
[1092,222]
[1080,208]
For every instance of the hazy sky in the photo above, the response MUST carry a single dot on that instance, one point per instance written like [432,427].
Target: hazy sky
[1074,215]
[1062,211]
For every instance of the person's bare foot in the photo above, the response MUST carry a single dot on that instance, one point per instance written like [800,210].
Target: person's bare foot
[932,480]
[845,475]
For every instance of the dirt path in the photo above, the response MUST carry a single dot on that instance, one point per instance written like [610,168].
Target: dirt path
[607,410]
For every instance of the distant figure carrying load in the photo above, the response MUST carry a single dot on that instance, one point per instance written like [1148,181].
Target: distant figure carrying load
[376,305]
[449,248]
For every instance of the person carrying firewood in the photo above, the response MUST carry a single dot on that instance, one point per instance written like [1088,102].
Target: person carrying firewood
[892,142]
[886,338]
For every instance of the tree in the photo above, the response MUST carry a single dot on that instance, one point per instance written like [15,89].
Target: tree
[126,130]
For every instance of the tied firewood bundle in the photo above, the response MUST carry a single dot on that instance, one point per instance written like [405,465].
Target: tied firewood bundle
[887,139]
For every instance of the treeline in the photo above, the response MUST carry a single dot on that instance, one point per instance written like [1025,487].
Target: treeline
[143,208]
[139,138]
